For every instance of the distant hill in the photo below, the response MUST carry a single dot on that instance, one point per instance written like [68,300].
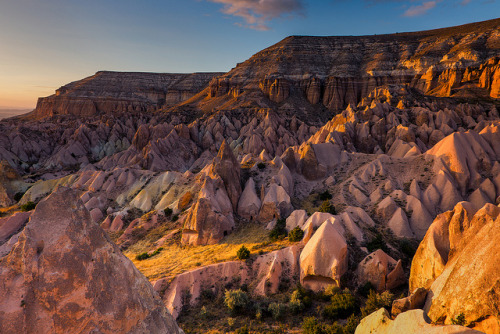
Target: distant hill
[6,113]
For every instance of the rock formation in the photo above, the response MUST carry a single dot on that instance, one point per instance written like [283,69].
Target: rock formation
[108,91]
[64,274]
[324,258]
[411,322]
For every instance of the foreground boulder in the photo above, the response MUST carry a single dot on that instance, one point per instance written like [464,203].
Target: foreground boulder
[410,322]
[65,276]
[470,281]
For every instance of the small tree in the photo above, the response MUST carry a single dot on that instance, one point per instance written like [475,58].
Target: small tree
[278,310]
[28,206]
[342,306]
[325,195]
[243,253]
[327,207]
[279,231]
[296,234]
[375,301]
[236,300]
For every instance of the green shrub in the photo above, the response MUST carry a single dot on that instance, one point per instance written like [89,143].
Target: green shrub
[312,326]
[327,207]
[142,256]
[365,289]
[242,330]
[343,304]
[375,301]
[332,290]
[296,234]
[175,218]
[296,305]
[168,212]
[236,300]
[145,256]
[279,231]
[28,206]
[459,320]
[261,165]
[277,310]
[243,253]
[407,248]
[377,243]
[325,195]
[350,326]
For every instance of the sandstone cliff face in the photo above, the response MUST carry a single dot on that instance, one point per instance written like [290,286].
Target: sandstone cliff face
[469,283]
[337,71]
[64,275]
[122,91]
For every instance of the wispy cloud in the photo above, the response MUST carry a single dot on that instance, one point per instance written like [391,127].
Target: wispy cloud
[257,13]
[420,9]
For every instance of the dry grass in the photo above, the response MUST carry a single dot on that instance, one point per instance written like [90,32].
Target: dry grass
[176,258]
[9,210]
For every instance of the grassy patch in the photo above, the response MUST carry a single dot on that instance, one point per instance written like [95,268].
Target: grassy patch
[176,258]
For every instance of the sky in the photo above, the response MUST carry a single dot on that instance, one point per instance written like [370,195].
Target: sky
[45,44]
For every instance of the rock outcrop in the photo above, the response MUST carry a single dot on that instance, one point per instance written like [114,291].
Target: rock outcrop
[410,322]
[211,217]
[469,283]
[340,70]
[381,270]
[227,167]
[63,276]
[263,276]
[108,91]
[324,258]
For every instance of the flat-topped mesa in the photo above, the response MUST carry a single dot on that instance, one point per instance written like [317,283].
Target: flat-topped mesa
[108,91]
[338,70]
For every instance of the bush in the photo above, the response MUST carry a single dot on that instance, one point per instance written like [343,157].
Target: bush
[175,218]
[145,256]
[261,165]
[350,326]
[279,231]
[296,234]
[242,330]
[236,300]
[365,289]
[142,256]
[459,320]
[377,243]
[332,290]
[168,212]
[407,248]
[296,305]
[312,326]
[375,301]
[243,253]
[28,206]
[343,304]
[325,195]
[327,207]
[278,310]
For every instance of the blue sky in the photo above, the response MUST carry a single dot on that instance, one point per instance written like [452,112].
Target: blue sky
[45,44]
